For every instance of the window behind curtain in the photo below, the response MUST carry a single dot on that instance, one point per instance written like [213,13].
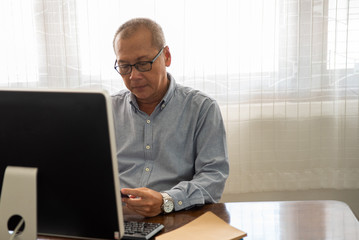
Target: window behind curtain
[285,73]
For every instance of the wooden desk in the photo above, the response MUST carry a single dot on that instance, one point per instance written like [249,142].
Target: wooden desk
[270,220]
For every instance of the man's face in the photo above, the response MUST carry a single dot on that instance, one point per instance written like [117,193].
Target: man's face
[151,86]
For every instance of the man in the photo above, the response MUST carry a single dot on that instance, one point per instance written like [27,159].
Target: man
[171,143]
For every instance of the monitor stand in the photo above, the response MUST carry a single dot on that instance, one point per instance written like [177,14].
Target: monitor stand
[18,206]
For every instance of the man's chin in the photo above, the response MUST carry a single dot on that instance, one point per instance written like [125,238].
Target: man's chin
[139,91]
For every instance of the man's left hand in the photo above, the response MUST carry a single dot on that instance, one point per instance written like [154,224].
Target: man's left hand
[144,201]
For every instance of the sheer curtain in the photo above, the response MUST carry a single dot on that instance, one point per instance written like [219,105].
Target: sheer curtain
[285,73]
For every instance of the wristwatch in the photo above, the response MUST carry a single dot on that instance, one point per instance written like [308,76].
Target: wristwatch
[168,204]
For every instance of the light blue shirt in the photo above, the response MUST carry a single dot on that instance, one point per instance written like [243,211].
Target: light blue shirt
[179,149]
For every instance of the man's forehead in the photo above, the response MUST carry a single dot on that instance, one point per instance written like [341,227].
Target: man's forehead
[131,52]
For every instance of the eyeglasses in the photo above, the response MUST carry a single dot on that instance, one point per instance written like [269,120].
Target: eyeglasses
[143,66]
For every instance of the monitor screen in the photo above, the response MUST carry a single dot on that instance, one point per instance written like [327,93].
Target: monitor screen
[68,136]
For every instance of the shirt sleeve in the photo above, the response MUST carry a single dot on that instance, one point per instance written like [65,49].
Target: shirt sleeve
[210,164]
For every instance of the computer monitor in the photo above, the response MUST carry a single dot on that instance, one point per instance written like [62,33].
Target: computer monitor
[68,137]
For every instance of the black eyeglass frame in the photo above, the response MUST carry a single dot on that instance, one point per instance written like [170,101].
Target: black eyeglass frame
[136,65]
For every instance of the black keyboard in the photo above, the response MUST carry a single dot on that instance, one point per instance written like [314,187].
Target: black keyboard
[141,230]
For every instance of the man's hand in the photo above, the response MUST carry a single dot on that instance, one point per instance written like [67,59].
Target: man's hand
[144,201]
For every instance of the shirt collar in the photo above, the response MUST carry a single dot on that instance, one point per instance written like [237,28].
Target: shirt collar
[170,90]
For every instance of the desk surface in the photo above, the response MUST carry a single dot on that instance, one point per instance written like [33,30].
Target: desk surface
[270,220]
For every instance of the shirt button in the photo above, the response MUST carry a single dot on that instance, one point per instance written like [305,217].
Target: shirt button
[180,203]
[147,169]
[148,147]
[148,121]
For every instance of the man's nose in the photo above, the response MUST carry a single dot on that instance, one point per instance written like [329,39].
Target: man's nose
[134,73]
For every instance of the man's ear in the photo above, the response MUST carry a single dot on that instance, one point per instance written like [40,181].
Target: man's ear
[167,54]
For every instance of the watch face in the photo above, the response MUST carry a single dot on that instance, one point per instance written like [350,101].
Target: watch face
[168,206]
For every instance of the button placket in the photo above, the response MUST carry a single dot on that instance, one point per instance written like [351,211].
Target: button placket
[148,142]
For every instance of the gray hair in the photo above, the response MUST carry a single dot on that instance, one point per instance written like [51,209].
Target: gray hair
[131,26]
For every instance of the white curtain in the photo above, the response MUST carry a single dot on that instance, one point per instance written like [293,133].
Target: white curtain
[285,73]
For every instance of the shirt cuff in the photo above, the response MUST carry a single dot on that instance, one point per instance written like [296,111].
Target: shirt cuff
[181,201]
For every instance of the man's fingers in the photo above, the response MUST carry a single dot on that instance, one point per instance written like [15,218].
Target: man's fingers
[134,192]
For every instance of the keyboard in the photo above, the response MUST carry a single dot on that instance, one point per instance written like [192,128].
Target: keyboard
[141,230]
